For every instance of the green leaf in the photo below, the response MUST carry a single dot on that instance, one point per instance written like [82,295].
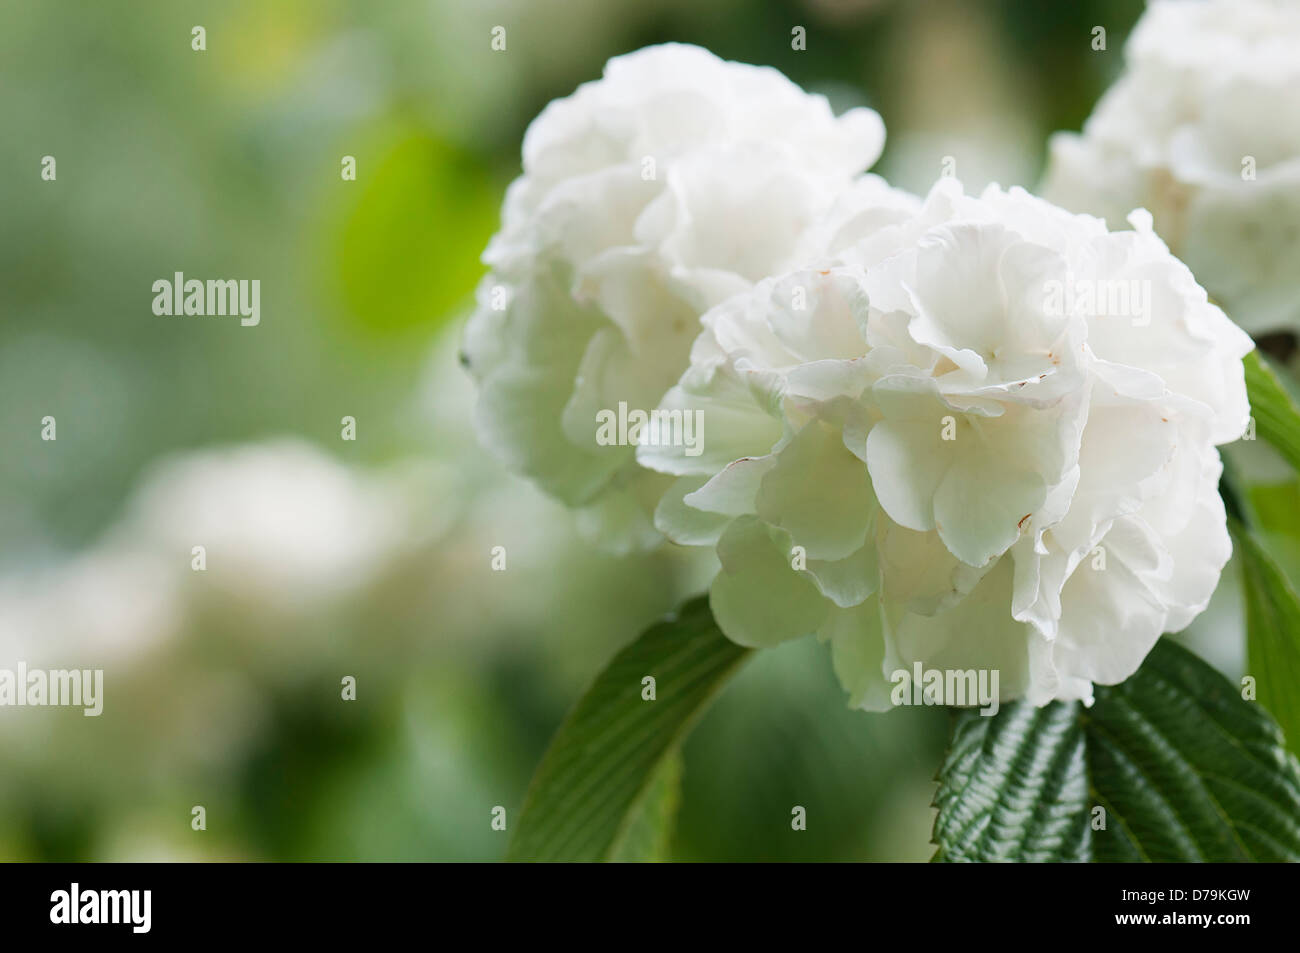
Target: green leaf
[1277,418]
[648,831]
[408,251]
[1013,787]
[1272,633]
[605,756]
[1275,508]
[1184,768]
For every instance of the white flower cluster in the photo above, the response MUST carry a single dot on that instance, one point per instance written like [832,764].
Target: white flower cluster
[1203,129]
[920,456]
[964,432]
[647,197]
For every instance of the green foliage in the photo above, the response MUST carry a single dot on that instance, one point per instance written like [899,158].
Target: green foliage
[1184,768]
[783,734]
[1273,633]
[1272,608]
[648,831]
[605,761]
[410,248]
[1014,787]
[1277,419]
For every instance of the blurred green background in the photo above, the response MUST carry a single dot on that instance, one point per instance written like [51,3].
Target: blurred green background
[370,558]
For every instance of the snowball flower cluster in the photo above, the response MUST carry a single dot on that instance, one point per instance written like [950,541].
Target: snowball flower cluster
[979,434]
[960,433]
[1203,129]
[647,197]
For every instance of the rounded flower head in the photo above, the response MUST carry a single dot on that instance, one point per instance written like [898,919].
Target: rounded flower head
[979,436]
[1203,129]
[647,197]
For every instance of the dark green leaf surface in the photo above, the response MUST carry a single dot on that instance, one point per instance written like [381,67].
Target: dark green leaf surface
[1188,770]
[1184,768]
[605,756]
[1014,787]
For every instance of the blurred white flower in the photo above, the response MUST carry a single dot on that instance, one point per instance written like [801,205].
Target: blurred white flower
[938,447]
[647,197]
[1203,129]
[281,523]
[112,603]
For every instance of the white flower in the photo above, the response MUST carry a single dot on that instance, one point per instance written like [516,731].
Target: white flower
[281,522]
[647,197]
[953,455]
[1203,129]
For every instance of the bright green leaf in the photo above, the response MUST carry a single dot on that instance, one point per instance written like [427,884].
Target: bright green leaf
[648,831]
[1272,633]
[410,246]
[1277,418]
[605,756]
[1276,508]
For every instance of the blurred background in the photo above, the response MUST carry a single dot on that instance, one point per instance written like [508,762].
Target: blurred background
[371,558]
